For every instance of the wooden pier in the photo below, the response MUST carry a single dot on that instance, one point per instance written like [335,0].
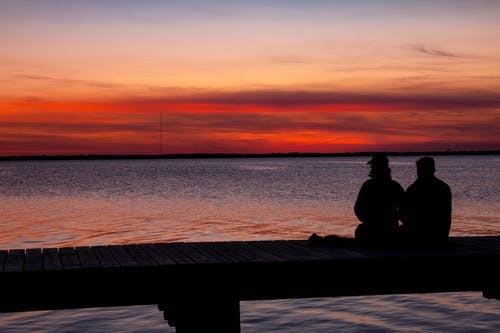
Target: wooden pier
[199,285]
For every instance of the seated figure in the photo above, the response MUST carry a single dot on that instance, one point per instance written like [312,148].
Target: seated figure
[377,204]
[426,207]
[377,207]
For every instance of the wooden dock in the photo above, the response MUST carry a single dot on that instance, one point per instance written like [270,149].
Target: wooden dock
[200,285]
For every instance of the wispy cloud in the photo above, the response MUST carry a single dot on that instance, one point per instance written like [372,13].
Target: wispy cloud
[431,51]
[65,81]
[304,98]
[285,97]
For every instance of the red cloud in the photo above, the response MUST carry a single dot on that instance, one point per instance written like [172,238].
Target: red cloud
[263,121]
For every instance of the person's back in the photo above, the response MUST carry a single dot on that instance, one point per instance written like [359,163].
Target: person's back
[426,208]
[377,204]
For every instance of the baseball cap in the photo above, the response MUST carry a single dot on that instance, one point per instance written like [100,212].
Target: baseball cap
[379,159]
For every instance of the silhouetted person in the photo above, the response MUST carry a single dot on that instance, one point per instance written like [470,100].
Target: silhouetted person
[377,204]
[426,209]
[377,207]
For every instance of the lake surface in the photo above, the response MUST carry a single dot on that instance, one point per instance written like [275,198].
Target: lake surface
[72,203]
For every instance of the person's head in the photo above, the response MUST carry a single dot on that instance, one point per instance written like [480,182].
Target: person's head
[425,167]
[379,166]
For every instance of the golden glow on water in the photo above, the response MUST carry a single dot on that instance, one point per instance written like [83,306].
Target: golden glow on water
[72,203]
[78,222]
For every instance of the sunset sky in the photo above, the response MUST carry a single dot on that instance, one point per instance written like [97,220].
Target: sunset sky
[96,76]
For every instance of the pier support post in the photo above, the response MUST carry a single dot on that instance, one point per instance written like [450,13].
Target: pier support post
[491,283]
[492,288]
[492,293]
[190,315]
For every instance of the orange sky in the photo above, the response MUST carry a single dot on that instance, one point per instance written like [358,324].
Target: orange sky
[86,77]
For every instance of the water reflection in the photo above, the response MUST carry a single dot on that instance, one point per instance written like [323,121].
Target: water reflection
[70,203]
[74,203]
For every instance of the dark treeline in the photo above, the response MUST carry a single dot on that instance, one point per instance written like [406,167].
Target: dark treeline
[235,155]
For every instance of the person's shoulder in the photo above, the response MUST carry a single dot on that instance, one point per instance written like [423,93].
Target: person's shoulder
[367,184]
[442,184]
[412,187]
[396,184]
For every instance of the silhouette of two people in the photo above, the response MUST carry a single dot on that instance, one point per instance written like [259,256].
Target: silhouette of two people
[424,209]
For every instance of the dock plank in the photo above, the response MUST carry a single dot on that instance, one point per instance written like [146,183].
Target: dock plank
[87,257]
[334,251]
[243,252]
[310,251]
[105,257]
[196,254]
[140,256]
[252,254]
[234,252]
[51,259]
[225,255]
[304,253]
[33,260]
[214,250]
[199,269]
[3,257]
[211,249]
[170,250]
[285,252]
[122,256]
[15,261]
[158,255]
[69,259]
[269,249]
[252,246]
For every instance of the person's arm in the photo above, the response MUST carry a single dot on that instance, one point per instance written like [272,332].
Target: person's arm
[447,211]
[401,203]
[360,207]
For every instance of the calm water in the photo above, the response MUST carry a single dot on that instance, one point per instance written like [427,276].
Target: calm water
[70,203]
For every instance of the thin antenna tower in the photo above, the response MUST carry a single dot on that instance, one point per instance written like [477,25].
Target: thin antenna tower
[161,133]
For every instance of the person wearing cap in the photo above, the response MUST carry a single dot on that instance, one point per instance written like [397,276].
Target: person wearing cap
[378,202]
[426,207]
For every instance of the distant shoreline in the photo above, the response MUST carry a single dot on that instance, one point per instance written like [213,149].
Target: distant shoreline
[235,155]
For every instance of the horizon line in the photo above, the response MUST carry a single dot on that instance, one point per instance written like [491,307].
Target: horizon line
[239,155]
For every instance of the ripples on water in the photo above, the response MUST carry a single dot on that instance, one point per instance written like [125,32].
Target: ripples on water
[70,203]
[450,312]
